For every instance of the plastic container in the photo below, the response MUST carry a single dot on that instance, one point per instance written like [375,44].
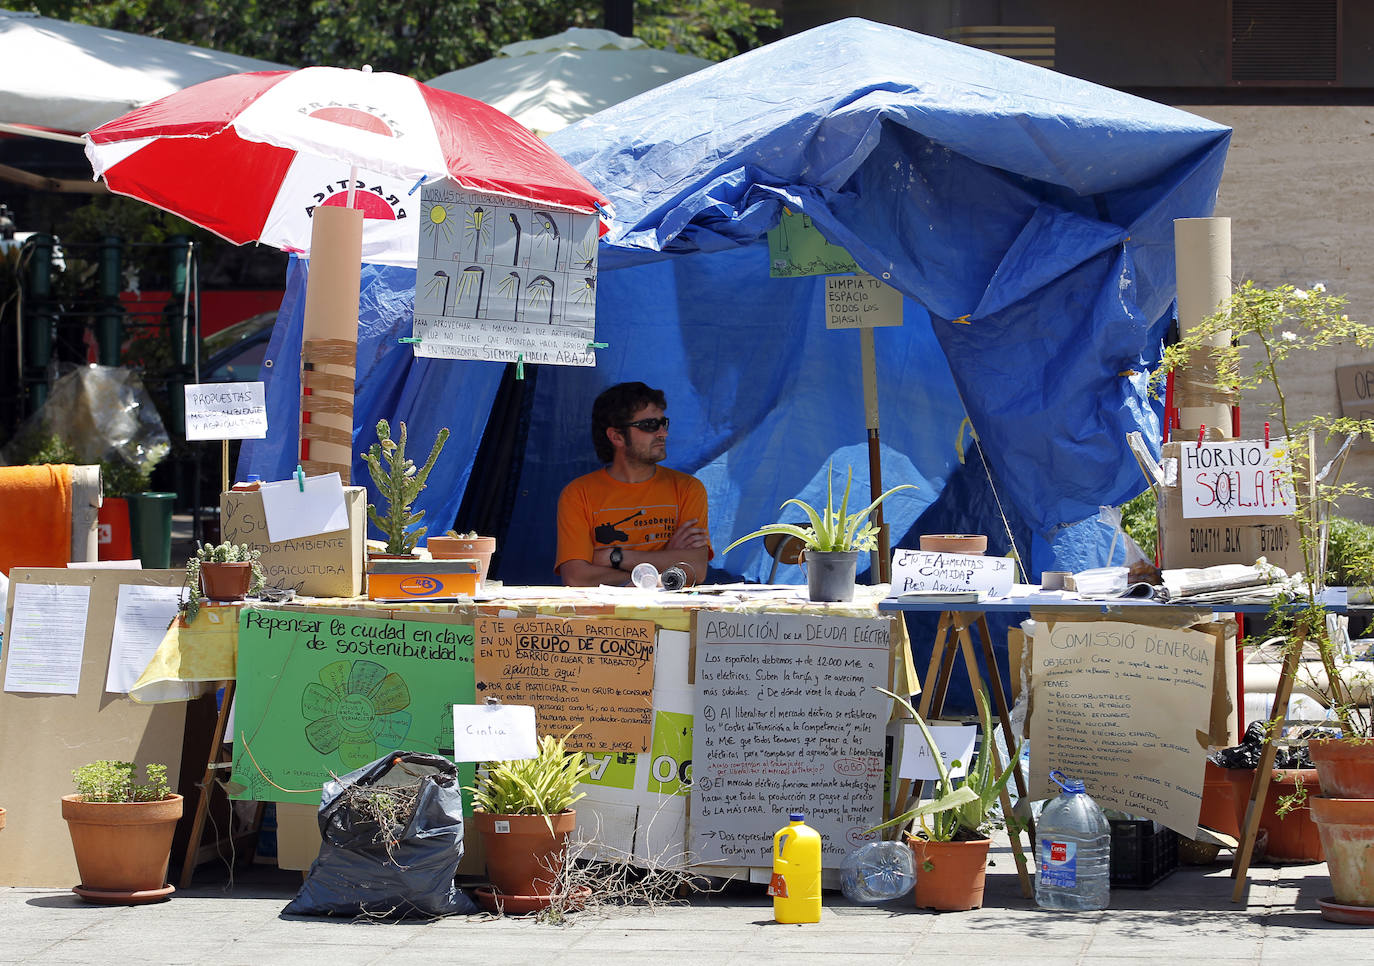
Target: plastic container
[150,522]
[678,577]
[645,576]
[877,872]
[253,482]
[796,884]
[1074,851]
[1143,854]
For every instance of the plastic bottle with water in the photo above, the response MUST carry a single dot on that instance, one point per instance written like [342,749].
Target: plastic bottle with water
[877,872]
[1074,851]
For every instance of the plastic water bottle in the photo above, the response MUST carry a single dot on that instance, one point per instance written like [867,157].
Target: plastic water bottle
[644,576]
[796,884]
[1075,851]
[877,872]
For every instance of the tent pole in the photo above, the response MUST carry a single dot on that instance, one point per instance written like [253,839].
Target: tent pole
[868,362]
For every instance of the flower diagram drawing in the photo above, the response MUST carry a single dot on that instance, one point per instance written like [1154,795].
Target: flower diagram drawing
[503,280]
[357,709]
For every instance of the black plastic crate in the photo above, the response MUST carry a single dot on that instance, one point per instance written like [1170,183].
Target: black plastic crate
[1141,856]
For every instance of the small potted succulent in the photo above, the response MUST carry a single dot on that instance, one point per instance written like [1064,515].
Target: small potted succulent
[524,809]
[833,541]
[463,546]
[950,850]
[400,481]
[220,572]
[121,832]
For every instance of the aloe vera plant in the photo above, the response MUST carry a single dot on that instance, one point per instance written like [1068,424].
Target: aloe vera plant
[831,528]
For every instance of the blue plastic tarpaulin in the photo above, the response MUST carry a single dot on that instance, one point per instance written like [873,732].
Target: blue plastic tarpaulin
[1026,217]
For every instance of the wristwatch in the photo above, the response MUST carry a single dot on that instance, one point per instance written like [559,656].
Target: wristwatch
[617,555]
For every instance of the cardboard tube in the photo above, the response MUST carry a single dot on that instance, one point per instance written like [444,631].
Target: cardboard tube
[330,329]
[1202,255]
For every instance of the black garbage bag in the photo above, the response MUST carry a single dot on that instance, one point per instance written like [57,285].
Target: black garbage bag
[393,838]
[1247,753]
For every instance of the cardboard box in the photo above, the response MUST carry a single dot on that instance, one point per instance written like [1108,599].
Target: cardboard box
[325,565]
[1210,541]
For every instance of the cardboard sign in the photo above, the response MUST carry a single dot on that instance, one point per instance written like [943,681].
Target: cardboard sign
[226,410]
[594,675]
[860,302]
[1355,389]
[321,695]
[1235,479]
[1126,708]
[494,732]
[324,565]
[788,719]
[921,570]
[954,741]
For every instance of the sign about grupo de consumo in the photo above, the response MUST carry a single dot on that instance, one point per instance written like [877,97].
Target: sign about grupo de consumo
[1236,479]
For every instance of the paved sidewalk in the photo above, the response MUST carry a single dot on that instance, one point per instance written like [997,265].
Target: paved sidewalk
[1187,918]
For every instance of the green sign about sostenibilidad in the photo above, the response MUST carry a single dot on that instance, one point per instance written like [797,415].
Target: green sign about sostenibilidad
[796,247]
[321,695]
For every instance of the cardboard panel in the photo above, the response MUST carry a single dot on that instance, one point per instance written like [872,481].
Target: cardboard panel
[46,736]
[327,565]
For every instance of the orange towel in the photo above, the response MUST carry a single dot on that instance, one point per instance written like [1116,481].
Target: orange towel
[35,516]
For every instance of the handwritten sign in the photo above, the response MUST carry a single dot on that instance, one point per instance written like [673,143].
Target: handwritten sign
[226,410]
[595,675]
[493,732]
[922,570]
[954,741]
[1236,478]
[860,302]
[787,720]
[320,695]
[1121,706]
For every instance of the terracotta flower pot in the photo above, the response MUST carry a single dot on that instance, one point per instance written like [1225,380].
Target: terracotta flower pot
[522,854]
[226,580]
[1346,826]
[461,548]
[2,818]
[1344,768]
[956,874]
[974,543]
[122,848]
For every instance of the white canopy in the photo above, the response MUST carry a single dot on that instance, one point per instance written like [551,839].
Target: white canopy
[71,77]
[552,82]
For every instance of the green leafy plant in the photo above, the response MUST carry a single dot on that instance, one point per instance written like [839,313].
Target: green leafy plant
[114,781]
[1265,328]
[958,811]
[1139,518]
[543,785]
[217,553]
[831,528]
[400,482]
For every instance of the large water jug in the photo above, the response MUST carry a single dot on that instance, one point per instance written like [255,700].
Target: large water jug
[1075,842]
[796,885]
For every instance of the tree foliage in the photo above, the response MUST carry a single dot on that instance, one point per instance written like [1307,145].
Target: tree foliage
[421,40]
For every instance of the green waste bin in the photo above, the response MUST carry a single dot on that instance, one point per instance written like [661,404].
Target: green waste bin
[150,526]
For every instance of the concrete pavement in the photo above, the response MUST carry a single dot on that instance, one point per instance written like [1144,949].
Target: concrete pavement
[1187,918]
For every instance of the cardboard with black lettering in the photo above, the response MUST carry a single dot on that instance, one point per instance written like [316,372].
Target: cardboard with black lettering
[1210,541]
[325,565]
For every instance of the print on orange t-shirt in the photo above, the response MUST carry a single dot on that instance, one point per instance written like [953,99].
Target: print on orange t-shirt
[597,510]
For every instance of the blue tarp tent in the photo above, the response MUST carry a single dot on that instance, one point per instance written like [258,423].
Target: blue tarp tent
[1025,216]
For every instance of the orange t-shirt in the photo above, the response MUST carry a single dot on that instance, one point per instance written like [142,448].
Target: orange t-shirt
[597,510]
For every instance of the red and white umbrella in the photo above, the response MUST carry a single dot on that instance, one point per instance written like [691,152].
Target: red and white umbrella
[250,156]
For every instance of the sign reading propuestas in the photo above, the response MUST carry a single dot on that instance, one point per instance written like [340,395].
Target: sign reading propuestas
[1126,708]
[914,571]
[226,410]
[502,280]
[1236,479]
[321,695]
[788,719]
[860,302]
[594,675]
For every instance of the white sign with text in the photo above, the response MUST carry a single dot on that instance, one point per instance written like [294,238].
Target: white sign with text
[956,748]
[226,410]
[494,732]
[1236,478]
[860,302]
[915,571]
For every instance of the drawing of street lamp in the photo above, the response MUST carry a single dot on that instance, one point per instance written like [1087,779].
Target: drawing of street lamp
[541,287]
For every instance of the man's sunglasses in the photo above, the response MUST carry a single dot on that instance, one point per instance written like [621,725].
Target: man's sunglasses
[650,425]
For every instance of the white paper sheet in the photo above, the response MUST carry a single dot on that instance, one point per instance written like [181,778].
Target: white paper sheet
[47,638]
[293,513]
[142,616]
[493,732]
[226,410]
[954,741]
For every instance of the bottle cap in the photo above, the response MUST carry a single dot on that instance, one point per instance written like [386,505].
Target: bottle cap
[1072,786]
[254,478]
[796,816]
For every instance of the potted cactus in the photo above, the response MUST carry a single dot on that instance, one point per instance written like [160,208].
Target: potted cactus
[220,572]
[399,481]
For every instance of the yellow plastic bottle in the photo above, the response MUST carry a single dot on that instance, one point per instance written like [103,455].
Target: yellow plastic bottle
[796,885]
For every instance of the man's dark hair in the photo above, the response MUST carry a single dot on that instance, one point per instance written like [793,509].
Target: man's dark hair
[614,407]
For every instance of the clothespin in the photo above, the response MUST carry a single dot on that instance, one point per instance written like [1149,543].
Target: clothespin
[423,179]
[520,366]
[596,345]
[493,700]
[1201,434]
[1266,434]
[598,207]
[300,477]
[409,340]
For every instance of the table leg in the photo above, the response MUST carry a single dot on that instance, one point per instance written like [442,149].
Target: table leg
[188,867]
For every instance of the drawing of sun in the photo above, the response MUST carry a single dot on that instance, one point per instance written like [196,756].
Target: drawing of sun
[357,710]
[438,226]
